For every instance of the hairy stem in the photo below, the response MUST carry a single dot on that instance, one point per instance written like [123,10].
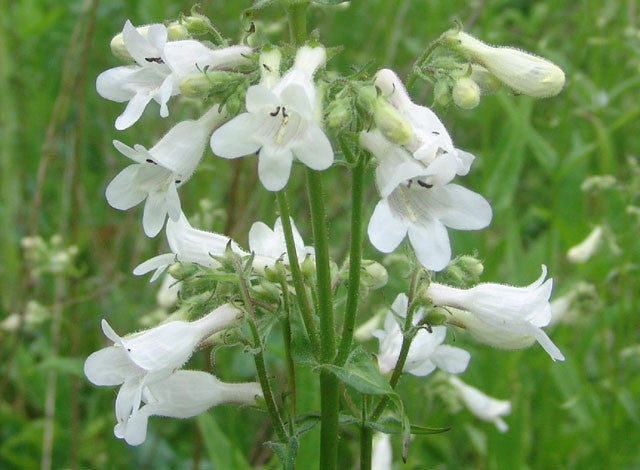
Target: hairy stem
[296,275]
[258,357]
[355,255]
[291,369]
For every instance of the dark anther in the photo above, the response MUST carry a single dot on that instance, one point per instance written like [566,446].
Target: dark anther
[284,112]
[275,113]
[409,183]
[157,60]
[266,67]
[151,161]
[425,185]
[435,132]
[178,181]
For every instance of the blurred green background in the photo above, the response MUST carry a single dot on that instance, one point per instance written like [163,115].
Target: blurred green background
[533,156]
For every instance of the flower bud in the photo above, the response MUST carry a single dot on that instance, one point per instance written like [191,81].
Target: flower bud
[367,97]
[442,93]
[339,113]
[374,275]
[197,23]
[524,72]
[202,85]
[308,268]
[487,82]
[466,93]
[177,32]
[390,122]
[182,270]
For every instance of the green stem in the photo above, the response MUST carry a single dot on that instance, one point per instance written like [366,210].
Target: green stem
[297,12]
[329,398]
[291,369]
[366,447]
[296,274]
[258,357]
[420,62]
[355,255]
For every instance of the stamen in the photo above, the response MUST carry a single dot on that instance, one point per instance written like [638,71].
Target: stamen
[425,185]
[157,60]
[275,113]
[150,161]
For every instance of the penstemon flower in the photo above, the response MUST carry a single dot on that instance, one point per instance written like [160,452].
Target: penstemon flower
[482,406]
[182,394]
[159,67]
[423,212]
[159,171]
[143,358]
[426,351]
[280,124]
[430,142]
[511,315]
[270,245]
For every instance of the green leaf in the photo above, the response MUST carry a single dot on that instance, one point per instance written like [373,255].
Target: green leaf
[306,422]
[394,426]
[222,452]
[330,2]
[360,372]
[286,452]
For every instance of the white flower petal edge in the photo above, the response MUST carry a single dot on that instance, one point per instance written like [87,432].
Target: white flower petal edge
[426,352]
[482,406]
[183,394]
[511,315]
[423,213]
[159,171]
[270,245]
[279,124]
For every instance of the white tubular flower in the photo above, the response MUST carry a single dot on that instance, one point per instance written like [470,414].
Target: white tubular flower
[426,351]
[584,250]
[159,171]
[188,245]
[524,72]
[148,79]
[430,143]
[183,394]
[482,406]
[151,355]
[159,67]
[381,454]
[515,314]
[279,123]
[423,212]
[270,246]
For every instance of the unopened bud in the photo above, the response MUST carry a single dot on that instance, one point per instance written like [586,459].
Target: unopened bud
[487,82]
[308,268]
[202,85]
[390,122]
[524,72]
[339,114]
[197,23]
[367,97]
[181,271]
[177,31]
[435,317]
[463,270]
[267,290]
[442,93]
[581,252]
[374,275]
[465,93]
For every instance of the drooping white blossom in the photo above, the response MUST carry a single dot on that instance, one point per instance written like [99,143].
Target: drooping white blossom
[423,212]
[182,394]
[430,143]
[524,72]
[280,123]
[158,172]
[584,250]
[188,245]
[502,315]
[381,453]
[482,406]
[426,351]
[145,357]
[159,66]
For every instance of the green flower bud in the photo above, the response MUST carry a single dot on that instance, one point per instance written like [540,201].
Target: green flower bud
[197,23]
[435,317]
[181,271]
[267,290]
[442,93]
[339,113]
[202,85]
[308,268]
[466,93]
[471,264]
[390,122]
[367,97]
[374,275]
[487,82]
[177,31]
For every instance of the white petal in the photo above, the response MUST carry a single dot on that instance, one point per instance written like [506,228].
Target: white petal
[459,208]
[122,192]
[155,212]
[547,344]
[314,149]
[110,366]
[451,359]
[162,96]
[160,262]
[274,167]
[385,230]
[110,84]
[421,369]
[128,152]
[465,159]
[260,97]
[296,96]
[133,111]
[236,138]
[430,242]
[173,201]
[442,169]
[261,240]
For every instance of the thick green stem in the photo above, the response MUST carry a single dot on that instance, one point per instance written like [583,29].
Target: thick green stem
[366,447]
[355,256]
[297,11]
[258,358]
[329,399]
[296,275]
